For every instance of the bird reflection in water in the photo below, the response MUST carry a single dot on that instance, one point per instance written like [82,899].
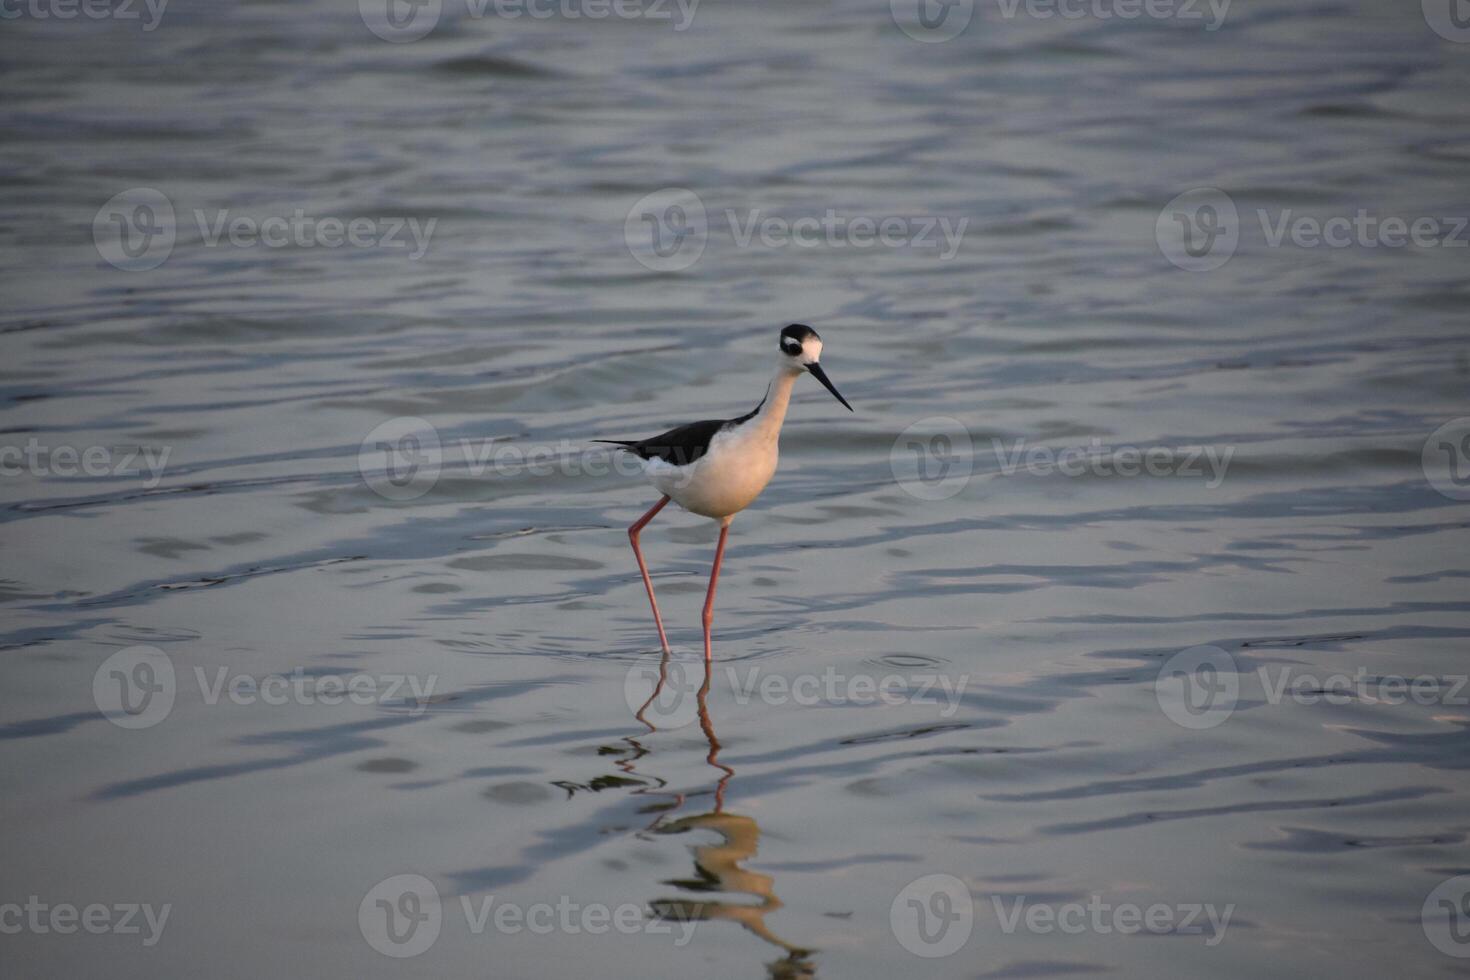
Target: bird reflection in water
[716,865]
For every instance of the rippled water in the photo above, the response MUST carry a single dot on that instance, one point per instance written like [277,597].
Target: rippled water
[780,810]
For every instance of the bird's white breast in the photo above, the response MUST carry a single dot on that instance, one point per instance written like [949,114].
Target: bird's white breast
[734,470]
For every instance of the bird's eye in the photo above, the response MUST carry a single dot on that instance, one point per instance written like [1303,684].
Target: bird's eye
[792,349]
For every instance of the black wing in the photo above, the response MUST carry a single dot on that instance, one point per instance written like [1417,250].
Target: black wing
[678,447]
[685,444]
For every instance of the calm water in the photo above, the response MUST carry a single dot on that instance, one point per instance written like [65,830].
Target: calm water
[491,615]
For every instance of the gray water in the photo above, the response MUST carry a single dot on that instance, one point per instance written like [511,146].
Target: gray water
[1035,743]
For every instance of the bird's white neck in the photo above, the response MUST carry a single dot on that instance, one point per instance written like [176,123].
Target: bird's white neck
[773,411]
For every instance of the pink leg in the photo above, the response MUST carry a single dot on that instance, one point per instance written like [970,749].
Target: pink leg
[714,579]
[647,582]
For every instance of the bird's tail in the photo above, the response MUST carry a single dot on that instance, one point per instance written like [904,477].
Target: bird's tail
[615,442]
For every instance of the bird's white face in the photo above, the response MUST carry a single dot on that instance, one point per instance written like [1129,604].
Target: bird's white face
[800,356]
[801,350]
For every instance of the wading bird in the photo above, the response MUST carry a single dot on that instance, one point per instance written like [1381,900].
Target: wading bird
[717,467]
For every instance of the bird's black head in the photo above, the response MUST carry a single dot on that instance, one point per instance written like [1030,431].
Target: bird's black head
[795,337]
[803,350]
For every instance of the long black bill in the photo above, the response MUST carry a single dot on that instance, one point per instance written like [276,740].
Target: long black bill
[820,375]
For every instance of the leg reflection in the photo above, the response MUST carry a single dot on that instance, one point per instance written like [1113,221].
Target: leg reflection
[717,865]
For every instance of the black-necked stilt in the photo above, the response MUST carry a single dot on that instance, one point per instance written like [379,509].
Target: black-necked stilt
[718,467]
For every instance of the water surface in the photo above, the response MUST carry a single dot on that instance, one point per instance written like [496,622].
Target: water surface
[518,771]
